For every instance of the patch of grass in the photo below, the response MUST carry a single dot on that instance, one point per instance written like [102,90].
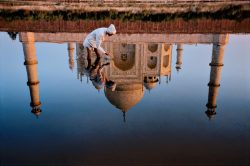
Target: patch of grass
[229,12]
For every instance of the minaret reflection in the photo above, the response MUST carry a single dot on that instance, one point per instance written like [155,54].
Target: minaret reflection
[80,61]
[215,75]
[136,63]
[179,56]
[82,64]
[32,74]
[71,50]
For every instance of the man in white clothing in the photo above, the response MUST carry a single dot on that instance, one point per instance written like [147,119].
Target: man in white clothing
[94,40]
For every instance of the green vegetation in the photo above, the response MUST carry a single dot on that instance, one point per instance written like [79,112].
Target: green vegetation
[229,12]
[12,35]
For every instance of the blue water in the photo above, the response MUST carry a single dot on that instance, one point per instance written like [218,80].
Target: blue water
[79,126]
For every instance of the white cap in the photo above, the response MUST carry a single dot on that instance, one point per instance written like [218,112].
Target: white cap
[111,29]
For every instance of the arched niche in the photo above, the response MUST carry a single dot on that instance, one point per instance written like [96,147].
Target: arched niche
[152,62]
[166,47]
[152,47]
[124,56]
[165,61]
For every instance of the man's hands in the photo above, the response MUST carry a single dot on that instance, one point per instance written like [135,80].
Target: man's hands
[106,53]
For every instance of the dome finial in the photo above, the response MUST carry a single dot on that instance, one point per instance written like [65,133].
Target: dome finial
[124,116]
[210,113]
[36,111]
[178,68]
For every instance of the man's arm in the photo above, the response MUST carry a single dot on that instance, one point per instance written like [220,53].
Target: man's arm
[99,40]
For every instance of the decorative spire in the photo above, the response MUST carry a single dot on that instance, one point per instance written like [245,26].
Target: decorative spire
[36,111]
[32,73]
[179,57]
[210,113]
[142,87]
[71,55]
[178,68]
[124,116]
[214,81]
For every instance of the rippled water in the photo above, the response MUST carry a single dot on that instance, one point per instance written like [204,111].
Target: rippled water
[155,116]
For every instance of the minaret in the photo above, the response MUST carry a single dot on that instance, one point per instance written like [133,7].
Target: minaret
[31,68]
[179,56]
[80,66]
[215,74]
[71,50]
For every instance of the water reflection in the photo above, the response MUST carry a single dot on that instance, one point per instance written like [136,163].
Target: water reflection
[138,62]
[71,50]
[32,74]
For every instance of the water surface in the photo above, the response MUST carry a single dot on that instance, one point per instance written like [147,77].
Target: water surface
[164,124]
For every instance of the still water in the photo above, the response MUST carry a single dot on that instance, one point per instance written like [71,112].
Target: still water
[161,111]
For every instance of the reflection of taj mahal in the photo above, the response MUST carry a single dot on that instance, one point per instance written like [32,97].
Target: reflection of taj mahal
[138,62]
[133,67]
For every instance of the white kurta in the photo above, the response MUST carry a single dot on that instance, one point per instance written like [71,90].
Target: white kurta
[95,39]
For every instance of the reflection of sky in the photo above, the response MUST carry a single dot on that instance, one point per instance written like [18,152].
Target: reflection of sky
[80,124]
